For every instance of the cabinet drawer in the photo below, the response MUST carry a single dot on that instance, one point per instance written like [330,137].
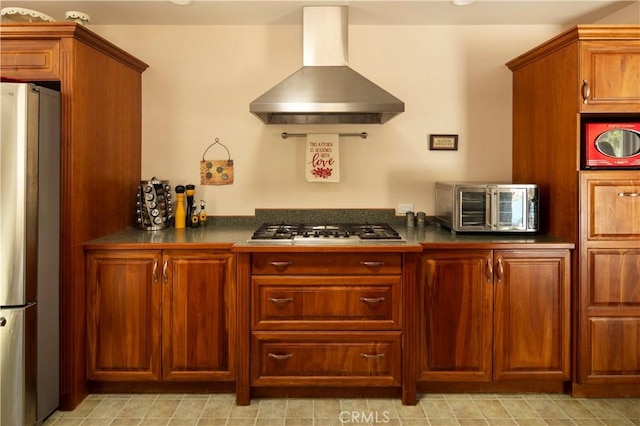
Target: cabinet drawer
[34,60]
[615,349]
[330,359]
[613,278]
[613,206]
[349,303]
[326,263]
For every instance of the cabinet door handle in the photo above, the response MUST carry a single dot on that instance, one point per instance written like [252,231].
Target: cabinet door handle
[489,270]
[3,321]
[372,263]
[279,357]
[500,270]
[628,194]
[280,300]
[165,277]
[154,274]
[586,91]
[371,356]
[280,263]
[372,299]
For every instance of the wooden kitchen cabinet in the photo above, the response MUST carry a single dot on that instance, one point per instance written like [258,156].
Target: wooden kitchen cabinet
[353,295]
[551,104]
[494,315]
[609,323]
[157,315]
[100,89]
[323,323]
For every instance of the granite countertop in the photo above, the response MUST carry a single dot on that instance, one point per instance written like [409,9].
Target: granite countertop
[233,232]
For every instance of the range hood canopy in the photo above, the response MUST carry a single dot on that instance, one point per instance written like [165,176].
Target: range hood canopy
[325,90]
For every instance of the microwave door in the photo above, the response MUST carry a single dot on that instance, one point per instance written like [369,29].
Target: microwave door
[509,209]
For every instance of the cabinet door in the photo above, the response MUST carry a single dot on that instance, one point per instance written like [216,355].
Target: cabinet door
[456,315]
[532,315]
[610,76]
[123,315]
[198,303]
[611,205]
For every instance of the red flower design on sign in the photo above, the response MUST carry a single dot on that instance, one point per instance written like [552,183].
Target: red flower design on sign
[322,172]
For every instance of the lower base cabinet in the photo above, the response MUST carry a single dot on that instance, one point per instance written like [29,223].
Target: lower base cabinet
[320,321]
[160,315]
[494,315]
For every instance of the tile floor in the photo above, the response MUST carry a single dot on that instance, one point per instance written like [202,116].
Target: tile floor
[432,409]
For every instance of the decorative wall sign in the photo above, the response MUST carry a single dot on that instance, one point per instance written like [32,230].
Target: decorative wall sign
[323,157]
[443,142]
[216,172]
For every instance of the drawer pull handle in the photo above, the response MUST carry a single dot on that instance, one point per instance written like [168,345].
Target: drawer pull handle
[280,263]
[280,300]
[279,357]
[371,356]
[628,194]
[372,299]
[372,263]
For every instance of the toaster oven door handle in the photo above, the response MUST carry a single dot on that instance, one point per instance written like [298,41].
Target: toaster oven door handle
[492,209]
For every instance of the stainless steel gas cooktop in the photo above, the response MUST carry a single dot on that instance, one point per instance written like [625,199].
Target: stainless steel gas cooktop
[339,233]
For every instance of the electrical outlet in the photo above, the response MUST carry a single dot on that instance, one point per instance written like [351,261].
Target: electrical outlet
[403,208]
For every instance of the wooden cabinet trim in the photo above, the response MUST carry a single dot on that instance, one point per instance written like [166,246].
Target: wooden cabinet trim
[578,32]
[60,30]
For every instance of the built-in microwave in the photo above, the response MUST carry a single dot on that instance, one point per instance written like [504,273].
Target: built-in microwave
[487,207]
[611,145]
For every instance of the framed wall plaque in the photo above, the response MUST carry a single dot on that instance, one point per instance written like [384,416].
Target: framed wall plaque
[443,142]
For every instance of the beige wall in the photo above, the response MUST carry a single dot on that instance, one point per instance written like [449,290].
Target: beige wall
[202,78]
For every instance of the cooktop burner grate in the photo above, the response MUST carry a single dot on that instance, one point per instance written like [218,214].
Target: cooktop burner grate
[329,233]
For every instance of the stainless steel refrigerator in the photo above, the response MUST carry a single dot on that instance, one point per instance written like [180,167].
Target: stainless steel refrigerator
[29,253]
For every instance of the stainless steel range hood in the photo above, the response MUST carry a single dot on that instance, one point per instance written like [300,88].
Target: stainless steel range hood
[325,90]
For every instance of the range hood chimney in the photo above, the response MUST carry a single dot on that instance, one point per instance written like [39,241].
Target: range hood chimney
[325,90]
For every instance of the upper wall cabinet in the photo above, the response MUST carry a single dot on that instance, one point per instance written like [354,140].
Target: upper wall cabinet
[588,68]
[610,75]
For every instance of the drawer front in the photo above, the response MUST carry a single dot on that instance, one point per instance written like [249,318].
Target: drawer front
[613,207]
[30,60]
[614,350]
[330,359]
[613,278]
[317,303]
[326,263]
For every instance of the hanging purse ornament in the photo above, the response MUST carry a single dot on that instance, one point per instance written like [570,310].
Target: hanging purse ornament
[216,172]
